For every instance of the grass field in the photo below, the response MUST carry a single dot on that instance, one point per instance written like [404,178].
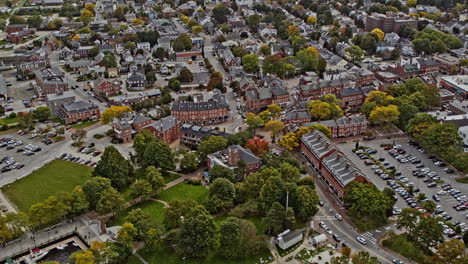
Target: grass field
[56,176]
[85,124]
[365,224]
[462,180]
[153,208]
[165,255]
[133,260]
[9,120]
[184,191]
[402,246]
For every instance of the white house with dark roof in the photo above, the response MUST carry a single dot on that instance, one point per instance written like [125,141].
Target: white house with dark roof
[289,238]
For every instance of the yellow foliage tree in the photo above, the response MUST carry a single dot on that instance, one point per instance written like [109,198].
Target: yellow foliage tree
[90,7]
[384,115]
[86,16]
[293,30]
[114,112]
[275,110]
[411,3]
[185,19]
[197,30]
[85,257]
[313,50]
[312,20]
[137,22]
[289,141]
[76,38]
[380,34]
[275,127]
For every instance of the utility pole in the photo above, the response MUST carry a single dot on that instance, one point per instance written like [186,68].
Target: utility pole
[287,200]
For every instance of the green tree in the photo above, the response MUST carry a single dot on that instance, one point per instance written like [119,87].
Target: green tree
[407,112]
[197,235]
[365,200]
[210,145]
[79,135]
[109,61]
[408,220]
[307,201]
[253,121]
[230,237]
[141,141]
[159,154]
[442,139]
[111,202]
[17,20]
[363,257]
[218,171]
[181,43]
[93,189]
[275,126]
[452,251]
[308,59]
[34,21]
[189,162]
[154,178]
[274,190]
[428,233]
[322,128]
[41,113]
[220,13]
[250,63]
[113,166]
[48,212]
[253,21]
[276,218]
[140,188]
[185,76]
[174,84]
[356,54]
[177,211]
[220,195]
[78,203]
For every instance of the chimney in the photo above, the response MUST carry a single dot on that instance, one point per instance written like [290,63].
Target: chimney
[347,165]
[327,144]
[233,156]
[338,156]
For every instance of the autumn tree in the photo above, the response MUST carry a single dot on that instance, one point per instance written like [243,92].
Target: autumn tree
[312,20]
[275,126]
[384,115]
[86,16]
[253,121]
[79,135]
[114,112]
[379,33]
[275,110]
[257,145]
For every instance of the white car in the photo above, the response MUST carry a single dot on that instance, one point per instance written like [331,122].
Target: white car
[441,192]
[322,224]
[361,240]
[339,217]
[329,231]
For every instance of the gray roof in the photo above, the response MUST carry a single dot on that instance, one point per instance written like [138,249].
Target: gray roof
[78,106]
[291,235]
[3,89]
[246,154]
[341,168]
[199,131]
[164,124]
[60,96]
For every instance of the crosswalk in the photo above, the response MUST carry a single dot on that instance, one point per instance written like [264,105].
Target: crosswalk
[368,236]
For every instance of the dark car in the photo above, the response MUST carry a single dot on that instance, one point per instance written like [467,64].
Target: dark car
[10,147]
[336,237]
[436,198]
[432,185]
[91,145]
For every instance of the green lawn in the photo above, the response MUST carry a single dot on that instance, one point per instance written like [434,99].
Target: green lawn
[84,124]
[462,180]
[366,223]
[154,209]
[401,245]
[169,176]
[9,120]
[165,255]
[56,176]
[184,191]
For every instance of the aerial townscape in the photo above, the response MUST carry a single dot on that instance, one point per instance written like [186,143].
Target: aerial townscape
[234,131]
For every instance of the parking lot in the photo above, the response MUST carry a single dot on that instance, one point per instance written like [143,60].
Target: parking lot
[445,202]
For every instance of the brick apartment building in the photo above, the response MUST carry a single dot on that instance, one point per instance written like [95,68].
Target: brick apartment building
[346,126]
[191,135]
[231,156]
[106,87]
[167,128]
[77,111]
[258,99]
[50,81]
[389,23]
[16,28]
[189,55]
[333,168]
[211,110]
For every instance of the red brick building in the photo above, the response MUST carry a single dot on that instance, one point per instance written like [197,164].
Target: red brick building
[316,90]
[333,168]
[50,81]
[77,111]
[346,126]
[126,127]
[259,98]
[167,129]
[17,37]
[16,28]
[231,156]
[212,110]
[105,87]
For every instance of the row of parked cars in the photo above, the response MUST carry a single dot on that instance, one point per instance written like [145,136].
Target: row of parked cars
[89,150]
[10,164]
[79,160]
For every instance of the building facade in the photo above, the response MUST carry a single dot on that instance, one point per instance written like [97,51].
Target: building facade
[77,111]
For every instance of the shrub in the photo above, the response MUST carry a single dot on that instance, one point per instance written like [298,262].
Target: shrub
[98,136]
[193,181]
[12,115]
[110,132]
